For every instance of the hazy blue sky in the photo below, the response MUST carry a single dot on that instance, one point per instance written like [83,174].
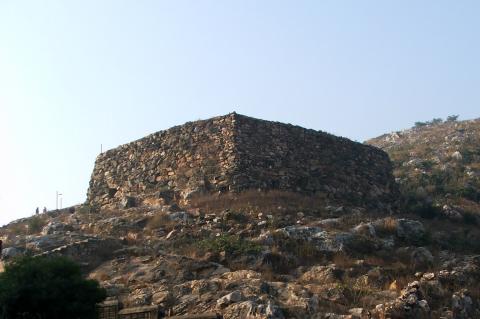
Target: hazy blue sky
[77,74]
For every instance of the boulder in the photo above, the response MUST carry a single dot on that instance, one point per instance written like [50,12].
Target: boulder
[462,305]
[359,313]
[322,274]
[421,258]
[55,228]
[410,230]
[232,297]
[302,232]
[365,229]
[180,216]
[128,202]
[10,252]
[410,305]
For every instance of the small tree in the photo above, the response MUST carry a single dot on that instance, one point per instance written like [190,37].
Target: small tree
[452,118]
[436,121]
[47,288]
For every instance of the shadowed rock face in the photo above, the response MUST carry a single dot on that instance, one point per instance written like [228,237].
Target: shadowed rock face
[233,153]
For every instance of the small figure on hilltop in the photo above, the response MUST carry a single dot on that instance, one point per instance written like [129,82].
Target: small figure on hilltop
[44,209]
[37,211]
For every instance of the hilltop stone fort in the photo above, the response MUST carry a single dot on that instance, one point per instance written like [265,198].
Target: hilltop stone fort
[233,153]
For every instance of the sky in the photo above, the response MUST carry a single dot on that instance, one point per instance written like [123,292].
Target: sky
[75,75]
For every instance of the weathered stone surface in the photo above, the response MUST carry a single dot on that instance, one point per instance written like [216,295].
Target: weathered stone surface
[232,297]
[322,274]
[235,153]
[53,227]
[10,252]
[410,230]
[463,305]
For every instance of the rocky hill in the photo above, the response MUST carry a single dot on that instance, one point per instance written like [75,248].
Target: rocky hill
[437,166]
[274,248]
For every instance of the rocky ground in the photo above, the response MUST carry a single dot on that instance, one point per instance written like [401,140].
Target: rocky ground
[338,262]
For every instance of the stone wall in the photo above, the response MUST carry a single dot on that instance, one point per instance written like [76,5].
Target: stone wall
[281,156]
[233,153]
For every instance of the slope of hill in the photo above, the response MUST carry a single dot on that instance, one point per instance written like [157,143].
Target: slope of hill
[438,164]
[276,253]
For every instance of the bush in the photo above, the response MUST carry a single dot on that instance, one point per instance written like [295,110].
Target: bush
[87,209]
[426,210]
[230,245]
[35,224]
[469,192]
[432,122]
[436,121]
[47,288]
[452,118]
[470,218]
[305,251]
[278,263]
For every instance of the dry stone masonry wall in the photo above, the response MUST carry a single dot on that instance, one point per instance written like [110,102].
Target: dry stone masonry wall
[232,153]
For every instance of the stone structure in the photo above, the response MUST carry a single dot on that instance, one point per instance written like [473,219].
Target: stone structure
[232,153]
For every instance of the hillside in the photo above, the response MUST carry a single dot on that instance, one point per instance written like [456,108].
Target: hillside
[438,165]
[276,250]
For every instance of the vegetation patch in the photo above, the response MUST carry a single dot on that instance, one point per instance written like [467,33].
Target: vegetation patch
[233,245]
[47,288]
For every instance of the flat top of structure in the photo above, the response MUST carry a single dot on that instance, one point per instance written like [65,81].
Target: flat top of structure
[137,310]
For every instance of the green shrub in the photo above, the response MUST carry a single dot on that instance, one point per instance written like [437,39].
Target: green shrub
[87,209]
[452,118]
[35,224]
[420,124]
[470,218]
[469,192]
[426,210]
[47,288]
[236,217]
[305,251]
[435,121]
[230,244]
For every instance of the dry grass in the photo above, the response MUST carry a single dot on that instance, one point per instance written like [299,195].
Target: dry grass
[388,226]
[356,291]
[253,201]
[342,260]
[375,261]
[100,276]
[17,229]
[305,252]
[160,220]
